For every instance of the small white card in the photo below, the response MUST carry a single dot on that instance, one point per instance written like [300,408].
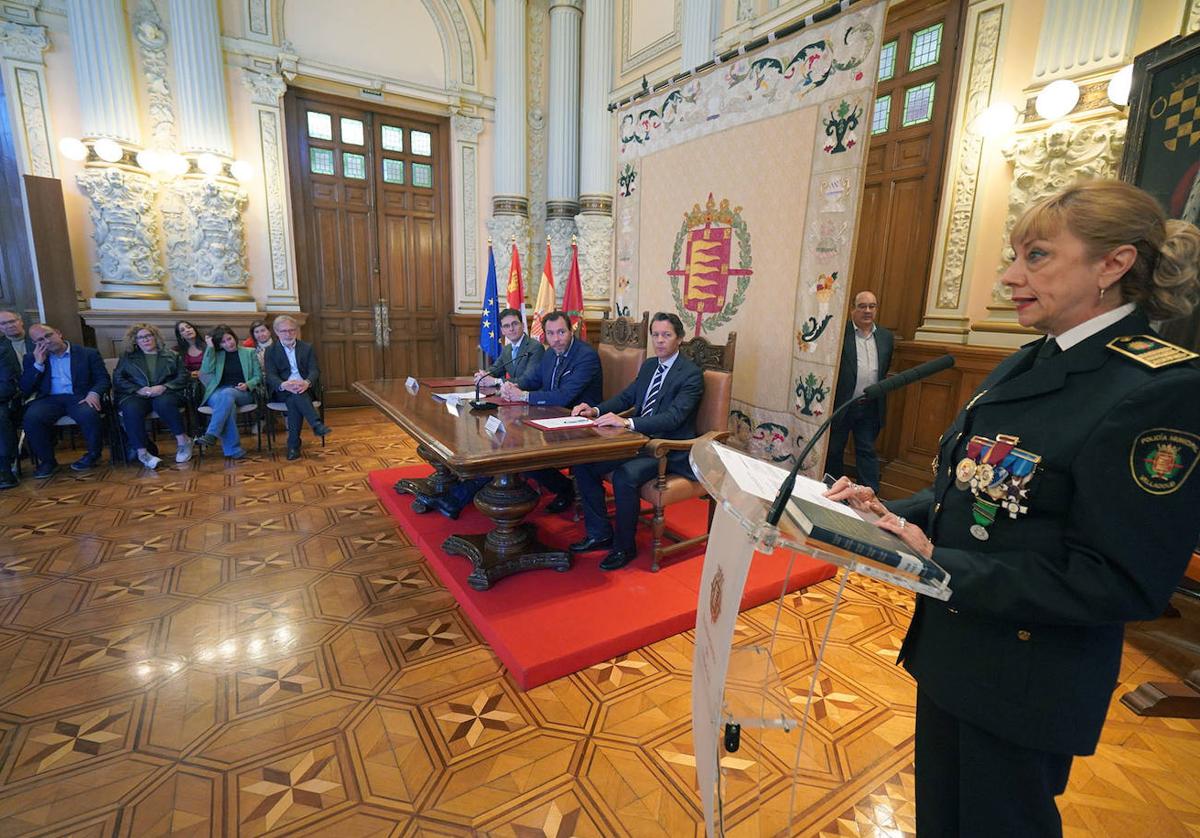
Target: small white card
[411,384]
[494,426]
[452,407]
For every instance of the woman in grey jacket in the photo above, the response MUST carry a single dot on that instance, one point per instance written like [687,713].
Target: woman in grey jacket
[150,377]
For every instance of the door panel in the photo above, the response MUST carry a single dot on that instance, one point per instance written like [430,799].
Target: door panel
[372,246]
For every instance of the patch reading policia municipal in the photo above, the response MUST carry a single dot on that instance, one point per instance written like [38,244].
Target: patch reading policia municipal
[1162,459]
[1150,351]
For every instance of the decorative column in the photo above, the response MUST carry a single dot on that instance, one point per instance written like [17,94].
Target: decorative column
[562,189]
[216,268]
[700,18]
[124,227]
[595,220]
[266,93]
[24,75]
[510,206]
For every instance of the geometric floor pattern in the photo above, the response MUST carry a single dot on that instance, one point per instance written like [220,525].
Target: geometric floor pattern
[256,648]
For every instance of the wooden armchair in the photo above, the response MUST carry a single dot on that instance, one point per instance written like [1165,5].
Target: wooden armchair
[622,350]
[712,422]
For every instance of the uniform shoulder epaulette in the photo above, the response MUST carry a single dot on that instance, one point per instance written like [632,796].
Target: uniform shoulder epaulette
[1150,351]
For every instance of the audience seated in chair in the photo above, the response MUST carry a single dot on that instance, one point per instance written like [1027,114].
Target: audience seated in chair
[230,375]
[150,378]
[12,331]
[64,380]
[568,373]
[10,376]
[292,374]
[260,341]
[663,400]
[189,346]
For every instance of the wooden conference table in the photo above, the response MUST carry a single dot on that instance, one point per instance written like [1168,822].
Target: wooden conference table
[457,446]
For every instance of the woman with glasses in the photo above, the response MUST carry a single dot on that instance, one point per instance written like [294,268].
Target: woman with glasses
[150,377]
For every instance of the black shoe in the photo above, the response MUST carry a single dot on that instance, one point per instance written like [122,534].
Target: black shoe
[321,429]
[7,479]
[45,470]
[206,440]
[293,454]
[562,503]
[441,503]
[589,544]
[617,559]
[87,461]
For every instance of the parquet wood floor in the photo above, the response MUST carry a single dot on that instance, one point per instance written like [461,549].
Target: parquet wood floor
[256,648]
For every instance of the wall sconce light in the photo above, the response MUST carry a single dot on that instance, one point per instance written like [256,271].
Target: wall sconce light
[210,164]
[151,161]
[242,170]
[175,164]
[1119,84]
[108,150]
[1057,99]
[72,149]
[995,120]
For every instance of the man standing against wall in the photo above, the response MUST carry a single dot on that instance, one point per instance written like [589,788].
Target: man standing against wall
[866,356]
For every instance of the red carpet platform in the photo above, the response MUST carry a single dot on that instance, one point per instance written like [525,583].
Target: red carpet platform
[543,624]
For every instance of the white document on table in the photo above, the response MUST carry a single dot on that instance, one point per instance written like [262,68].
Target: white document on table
[561,422]
[457,396]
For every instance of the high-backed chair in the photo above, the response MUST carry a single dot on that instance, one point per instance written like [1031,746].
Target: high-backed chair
[712,422]
[622,350]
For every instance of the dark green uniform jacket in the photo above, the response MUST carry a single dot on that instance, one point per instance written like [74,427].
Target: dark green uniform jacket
[1029,644]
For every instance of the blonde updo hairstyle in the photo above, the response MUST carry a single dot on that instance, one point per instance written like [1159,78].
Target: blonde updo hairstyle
[131,344]
[1105,214]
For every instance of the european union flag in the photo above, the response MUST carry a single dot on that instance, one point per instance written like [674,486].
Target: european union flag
[489,322]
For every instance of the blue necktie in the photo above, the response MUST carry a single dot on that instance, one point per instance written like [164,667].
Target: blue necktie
[652,393]
[554,372]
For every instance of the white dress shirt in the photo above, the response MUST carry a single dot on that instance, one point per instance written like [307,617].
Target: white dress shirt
[868,361]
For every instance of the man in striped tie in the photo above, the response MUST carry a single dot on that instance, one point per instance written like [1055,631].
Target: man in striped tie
[663,399]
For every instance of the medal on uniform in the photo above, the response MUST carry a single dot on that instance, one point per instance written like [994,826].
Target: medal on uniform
[984,513]
[964,472]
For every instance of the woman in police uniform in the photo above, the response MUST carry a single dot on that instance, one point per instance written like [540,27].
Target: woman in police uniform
[1065,504]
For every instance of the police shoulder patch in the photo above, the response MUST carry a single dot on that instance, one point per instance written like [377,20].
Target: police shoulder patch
[1150,351]
[1161,459]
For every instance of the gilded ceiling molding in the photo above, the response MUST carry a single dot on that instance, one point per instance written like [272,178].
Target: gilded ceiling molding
[970,153]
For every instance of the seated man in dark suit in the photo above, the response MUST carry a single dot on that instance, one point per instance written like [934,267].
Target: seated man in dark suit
[568,373]
[65,380]
[291,371]
[10,376]
[665,396]
[520,354]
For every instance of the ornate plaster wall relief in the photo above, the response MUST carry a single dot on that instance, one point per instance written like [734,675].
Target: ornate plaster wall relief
[536,16]
[970,150]
[265,92]
[152,43]
[595,257]
[1191,17]
[217,240]
[503,229]
[125,232]
[1047,161]
[21,49]
[466,131]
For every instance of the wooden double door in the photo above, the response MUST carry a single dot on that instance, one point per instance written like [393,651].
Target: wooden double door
[370,198]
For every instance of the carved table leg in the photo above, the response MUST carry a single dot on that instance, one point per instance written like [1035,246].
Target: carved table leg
[441,481]
[511,547]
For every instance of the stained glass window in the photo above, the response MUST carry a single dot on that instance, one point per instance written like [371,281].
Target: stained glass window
[320,126]
[883,111]
[393,171]
[918,104]
[887,61]
[926,47]
[354,165]
[393,138]
[352,131]
[421,144]
[422,174]
[320,161]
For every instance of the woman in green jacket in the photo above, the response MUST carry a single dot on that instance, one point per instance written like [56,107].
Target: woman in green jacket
[230,374]
[150,377]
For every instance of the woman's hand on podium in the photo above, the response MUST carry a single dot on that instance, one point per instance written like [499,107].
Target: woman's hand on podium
[909,533]
[860,498]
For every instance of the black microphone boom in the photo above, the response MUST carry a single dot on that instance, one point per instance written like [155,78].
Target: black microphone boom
[872,392]
[478,403]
